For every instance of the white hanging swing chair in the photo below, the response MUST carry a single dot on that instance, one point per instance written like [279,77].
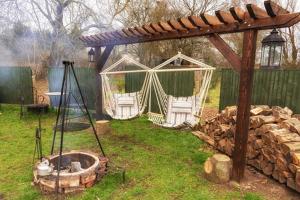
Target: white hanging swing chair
[124,106]
[176,112]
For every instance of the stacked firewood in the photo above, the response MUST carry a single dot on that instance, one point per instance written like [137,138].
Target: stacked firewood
[273,140]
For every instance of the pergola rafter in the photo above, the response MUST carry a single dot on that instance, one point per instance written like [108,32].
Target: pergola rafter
[232,21]
[248,21]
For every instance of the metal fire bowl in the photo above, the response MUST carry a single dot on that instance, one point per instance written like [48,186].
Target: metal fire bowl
[73,126]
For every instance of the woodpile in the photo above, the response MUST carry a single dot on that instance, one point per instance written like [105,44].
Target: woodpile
[273,140]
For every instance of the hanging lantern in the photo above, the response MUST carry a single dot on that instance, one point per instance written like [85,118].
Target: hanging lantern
[271,53]
[91,55]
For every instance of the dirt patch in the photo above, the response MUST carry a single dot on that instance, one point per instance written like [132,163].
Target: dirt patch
[130,140]
[254,181]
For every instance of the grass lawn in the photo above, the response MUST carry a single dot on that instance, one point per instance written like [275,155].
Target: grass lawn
[160,163]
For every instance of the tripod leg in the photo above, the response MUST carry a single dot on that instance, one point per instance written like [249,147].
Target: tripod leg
[62,131]
[40,138]
[87,111]
[59,110]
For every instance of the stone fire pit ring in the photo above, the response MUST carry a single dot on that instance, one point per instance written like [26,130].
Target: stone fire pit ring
[93,168]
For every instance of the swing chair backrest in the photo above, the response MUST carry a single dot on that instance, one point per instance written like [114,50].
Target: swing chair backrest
[126,105]
[125,101]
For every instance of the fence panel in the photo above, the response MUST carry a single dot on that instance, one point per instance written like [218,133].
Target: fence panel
[270,87]
[16,82]
[86,78]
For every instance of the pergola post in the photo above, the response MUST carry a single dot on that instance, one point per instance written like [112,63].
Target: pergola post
[244,104]
[100,62]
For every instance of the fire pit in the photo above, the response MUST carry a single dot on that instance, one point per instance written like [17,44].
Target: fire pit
[79,170]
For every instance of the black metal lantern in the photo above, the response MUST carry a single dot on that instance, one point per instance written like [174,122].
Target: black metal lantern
[91,55]
[271,53]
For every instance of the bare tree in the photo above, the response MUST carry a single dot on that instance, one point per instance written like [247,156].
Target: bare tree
[70,18]
[65,20]
[291,47]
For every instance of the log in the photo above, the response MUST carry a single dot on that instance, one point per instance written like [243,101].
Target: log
[103,127]
[290,147]
[258,144]
[255,122]
[230,111]
[267,119]
[261,110]
[268,169]
[265,128]
[204,137]
[297,116]
[281,113]
[297,179]
[293,124]
[218,168]
[293,168]
[295,158]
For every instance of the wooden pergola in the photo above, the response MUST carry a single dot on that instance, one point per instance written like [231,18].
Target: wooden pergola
[248,21]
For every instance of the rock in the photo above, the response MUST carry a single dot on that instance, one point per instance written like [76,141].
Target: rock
[235,185]
[76,167]
[103,127]
[88,178]
[70,181]
[218,168]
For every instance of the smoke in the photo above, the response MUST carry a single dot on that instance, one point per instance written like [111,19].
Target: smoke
[6,56]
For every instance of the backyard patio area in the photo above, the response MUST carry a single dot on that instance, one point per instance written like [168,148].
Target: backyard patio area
[160,163]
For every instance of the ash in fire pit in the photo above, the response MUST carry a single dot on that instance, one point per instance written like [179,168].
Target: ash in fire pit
[79,170]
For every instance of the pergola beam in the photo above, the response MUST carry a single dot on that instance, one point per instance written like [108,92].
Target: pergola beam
[226,51]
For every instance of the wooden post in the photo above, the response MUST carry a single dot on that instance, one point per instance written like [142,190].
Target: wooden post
[244,103]
[100,62]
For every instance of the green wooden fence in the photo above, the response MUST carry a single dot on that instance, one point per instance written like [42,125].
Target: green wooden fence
[16,82]
[86,78]
[270,87]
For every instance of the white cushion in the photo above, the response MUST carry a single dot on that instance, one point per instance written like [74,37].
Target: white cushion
[181,107]
[125,101]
